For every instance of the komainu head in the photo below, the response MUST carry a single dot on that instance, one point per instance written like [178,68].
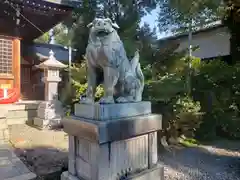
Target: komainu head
[102,27]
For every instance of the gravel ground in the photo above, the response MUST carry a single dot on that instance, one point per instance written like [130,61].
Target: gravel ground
[203,162]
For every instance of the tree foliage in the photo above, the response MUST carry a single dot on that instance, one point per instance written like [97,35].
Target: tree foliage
[127,14]
[43,39]
[175,15]
[147,42]
[219,96]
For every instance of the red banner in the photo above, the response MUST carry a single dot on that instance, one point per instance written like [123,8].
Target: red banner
[11,96]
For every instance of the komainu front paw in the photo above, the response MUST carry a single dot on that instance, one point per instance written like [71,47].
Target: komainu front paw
[107,100]
[121,100]
[86,100]
[127,99]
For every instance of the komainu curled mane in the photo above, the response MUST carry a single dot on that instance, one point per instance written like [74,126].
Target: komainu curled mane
[105,52]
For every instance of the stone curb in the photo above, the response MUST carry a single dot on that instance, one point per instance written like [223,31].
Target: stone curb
[28,176]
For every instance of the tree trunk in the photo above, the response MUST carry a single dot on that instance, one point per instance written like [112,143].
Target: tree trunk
[235,45]
[233,23]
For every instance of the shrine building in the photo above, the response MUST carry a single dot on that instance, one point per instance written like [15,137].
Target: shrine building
[22,21]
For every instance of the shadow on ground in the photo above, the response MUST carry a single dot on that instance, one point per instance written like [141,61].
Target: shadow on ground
[46,162]
[202,163]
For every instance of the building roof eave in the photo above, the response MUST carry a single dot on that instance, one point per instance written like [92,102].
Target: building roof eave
[37,17]
[71,3]
[210,27]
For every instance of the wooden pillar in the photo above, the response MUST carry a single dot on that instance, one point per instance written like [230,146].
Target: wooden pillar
[17,64]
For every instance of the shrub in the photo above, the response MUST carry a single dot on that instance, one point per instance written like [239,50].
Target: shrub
[164,89]
[180,112]
[188,116]
[217,85]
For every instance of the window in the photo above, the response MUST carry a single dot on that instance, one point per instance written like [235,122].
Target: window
[53,73]
[6,56]
[25,74]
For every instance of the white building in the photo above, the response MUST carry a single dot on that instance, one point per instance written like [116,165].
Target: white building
[212,41]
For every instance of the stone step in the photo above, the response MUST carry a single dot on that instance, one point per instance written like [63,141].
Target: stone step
[13,121]
[21,114]
[21,106]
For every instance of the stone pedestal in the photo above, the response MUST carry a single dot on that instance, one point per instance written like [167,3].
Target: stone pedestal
[50,112]
[118,148]
[112,111]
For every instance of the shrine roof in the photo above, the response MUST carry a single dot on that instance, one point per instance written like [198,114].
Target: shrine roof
[36,18]
[72,3]
[51,62]
[40,52]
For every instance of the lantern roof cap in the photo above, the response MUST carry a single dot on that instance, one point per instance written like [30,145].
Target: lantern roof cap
[51,62]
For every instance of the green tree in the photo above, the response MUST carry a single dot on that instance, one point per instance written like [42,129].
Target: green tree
[61,35]
[43,39]
[127,14]
[81,17]
[147,40]
[179,15]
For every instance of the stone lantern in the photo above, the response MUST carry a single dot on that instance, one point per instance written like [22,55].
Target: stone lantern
[50,111]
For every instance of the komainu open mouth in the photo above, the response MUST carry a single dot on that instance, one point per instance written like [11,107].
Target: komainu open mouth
[102,33]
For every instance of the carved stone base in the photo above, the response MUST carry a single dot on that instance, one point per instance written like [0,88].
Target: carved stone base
[112,111]
[46,123]
[109,150]
[156,173]
[49,115]
[66,176]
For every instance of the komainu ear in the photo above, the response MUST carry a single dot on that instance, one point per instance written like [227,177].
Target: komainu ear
[113,24]
[90,25]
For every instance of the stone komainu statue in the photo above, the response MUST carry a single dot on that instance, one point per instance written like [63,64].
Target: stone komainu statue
[123,79]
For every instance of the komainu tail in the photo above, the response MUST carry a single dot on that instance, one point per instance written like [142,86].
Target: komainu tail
[136,67]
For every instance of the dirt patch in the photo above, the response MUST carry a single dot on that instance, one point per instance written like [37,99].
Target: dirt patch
[43,151]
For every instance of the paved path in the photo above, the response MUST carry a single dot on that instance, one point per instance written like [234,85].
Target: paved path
[11,168]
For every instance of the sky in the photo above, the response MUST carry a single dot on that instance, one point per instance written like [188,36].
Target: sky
[151,19]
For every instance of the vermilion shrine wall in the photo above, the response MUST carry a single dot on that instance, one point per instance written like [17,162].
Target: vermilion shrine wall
[9,69]
[18,73]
